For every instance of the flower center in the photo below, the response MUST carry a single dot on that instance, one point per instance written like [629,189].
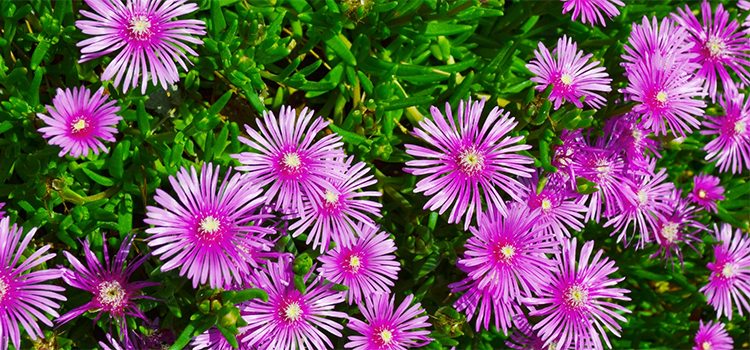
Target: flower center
[716,47]
[729,270]
[566,79]
[355,262]
[576,296]
[637,135]
[386,336]
[740,127]
[546,204]
[642,197]
[209,229]
[80,125]
[140,28]
[659,100]
[4,288]
[331,200]
[292,312]
[470,161]
[702,194]
[111,294]
[505,252]
[291,163]
[669,231]
[706,345]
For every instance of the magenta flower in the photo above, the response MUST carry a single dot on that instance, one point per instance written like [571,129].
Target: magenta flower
[286,156]
[666,95]
[78,120]
[556,210]
[23,298]
[504,257]
[337,211]
[207,234]
[673,228]
[730,274]
[109,282]
[591,10]
[386,328]
[469,161]
[631,140]
[525,337]
[290,319]
[2,212]
[731,147]
[712,336]
[665,40]
[706,191]
[577,300]
[720,47]
[368,266]
[606,170]
[147,39]
[570,73]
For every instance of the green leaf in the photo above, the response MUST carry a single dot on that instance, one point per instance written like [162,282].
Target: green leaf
[116,168]
[217,19]
[428,265]
[435,28]
[102,180]
[39,53]
[143,118]
[231,338]
[408,102]
[245,295]
[336,43]
[184,338]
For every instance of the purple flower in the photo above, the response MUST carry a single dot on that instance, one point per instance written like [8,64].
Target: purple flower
[367,266]
[503,257]
[706,191]
[631,140]
[290,319]
[23,298]
[286,156]
[730,274]
[648,198]
[571,74]
[525,337]
[665,40]
[334,213]
[109,282]
[720,47]
[2,212]
[386,328]
[673,228]
[78,120]
[712,336]
[469,162]
[147,39]
[207,234]
[591,10]
[731,147]
[577,300]
[665,92]
[605,169]
[556,210]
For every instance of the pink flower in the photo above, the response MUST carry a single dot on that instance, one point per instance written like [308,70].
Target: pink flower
[730,274]
[731,147]
[712,336]
[706,192]
[386,328]
[590,10]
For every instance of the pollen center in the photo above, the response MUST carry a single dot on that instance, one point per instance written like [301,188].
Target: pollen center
[702,194]
[740,127]
[210,224]
[111,294]
[4,288]
[140,27]
[716,47]
[291,163]
[706,345]
[546,204]
[354,263]
[505,252]
[470,161]
[292,312]
[659,99]
[662,96]
[386,336]
[331,199]
[566,79]
[80,124]
[729,270]
[669,231]
[642,197]
[576,296]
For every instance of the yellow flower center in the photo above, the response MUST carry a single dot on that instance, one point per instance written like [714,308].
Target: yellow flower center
[740,127]
[662,96]
[79,125]
[470,161]
[111,294]
[706,345]
[355,263]
[293,312]
[642,197]
[702,194]
[506,252]
[210,224]
[576,296]
[546,204]
[4,287]
[140,26]
[331,198]
[729,270]
[637,135]
[291,160]
[566,79]
[716,47]
[669,231]
[386,336]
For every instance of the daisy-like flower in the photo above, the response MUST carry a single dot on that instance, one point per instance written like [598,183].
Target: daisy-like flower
[290,319]
[524,337]
[386,328]
[605,169]
[720,47]
[631,140]
[712,336]
[730,274]
[206,233]
[78,120]
[287,157]
[556,210]
[109,282]
[673,228]
[731,147]
[367,266]
[335,213]
[504,256]
[576,298]
[666,95]
[706,191]
[648,198]
[591,10]
[571,73]
[24,299]
[665,40]
[147,38]
[469,161]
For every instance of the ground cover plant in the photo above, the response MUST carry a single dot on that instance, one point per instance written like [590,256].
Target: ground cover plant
[367,174]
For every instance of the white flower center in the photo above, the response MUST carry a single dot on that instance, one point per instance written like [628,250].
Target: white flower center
[470,161]
[637,135]
[291,161]
[566,79]
[140,27]
[662,96]
[546,204]
[552,346]
[706,345]
[576,296]
[729,270]
[81,124]
[702,194]
[4,288]
[669,231]
[716,47]
[506,252]
[210,224]
[293,312]
[386,336]
[111,294]
[331,198]
[354,263]
[642,197]
[740,127]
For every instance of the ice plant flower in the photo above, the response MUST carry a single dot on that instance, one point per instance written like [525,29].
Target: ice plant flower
[109,283]
[78,120]
[712,336]
[555,206]
[606,169]
[505,256]
[287,157]
[386,328]
[2,212]
[205,233]
[469,161]
[290,319]
[367,266]
[673,227]
[631,140]
[730,274]
[571,73]
[665,40]
[147,38]
[720,46]
[666,94]
[731,147]
[524,337]
[706,192]
[23,297]
[576,301]
[333,214]
[591,10]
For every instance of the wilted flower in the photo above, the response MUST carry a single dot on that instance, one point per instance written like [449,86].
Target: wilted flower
[591,10]
[78,120]
[731,147]
[712,336]
[147,39]
[706,191]
[730,274]
[386,328]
